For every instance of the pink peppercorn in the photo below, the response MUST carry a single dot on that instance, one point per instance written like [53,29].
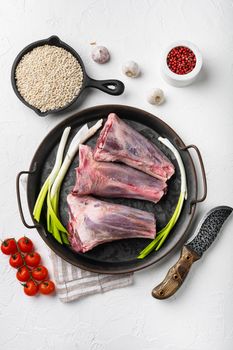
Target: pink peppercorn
[181,60]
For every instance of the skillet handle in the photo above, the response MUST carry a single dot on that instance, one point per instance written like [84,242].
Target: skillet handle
[203,173]
[111,86]
[19,199]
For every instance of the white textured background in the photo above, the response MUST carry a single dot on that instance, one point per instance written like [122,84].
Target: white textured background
[200,316]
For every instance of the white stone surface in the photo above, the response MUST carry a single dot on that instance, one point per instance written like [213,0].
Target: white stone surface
[200,315]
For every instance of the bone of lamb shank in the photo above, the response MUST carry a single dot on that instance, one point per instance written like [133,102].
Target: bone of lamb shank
[120,142]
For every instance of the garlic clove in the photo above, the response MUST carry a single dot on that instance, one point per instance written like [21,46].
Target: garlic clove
[155,96]
[100,54]
[131,69]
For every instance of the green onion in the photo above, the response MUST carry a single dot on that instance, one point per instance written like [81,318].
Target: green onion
[51,187]
[54,225]
[162,234]
[50,179]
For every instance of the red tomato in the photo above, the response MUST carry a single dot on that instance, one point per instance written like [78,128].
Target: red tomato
[16,260]
[25,244]
[9,246]
[46,287]
[30,288]
[32,259]
[23,274]
[40,273]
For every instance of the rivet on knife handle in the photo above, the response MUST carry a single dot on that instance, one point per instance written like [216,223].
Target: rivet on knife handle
[176,275]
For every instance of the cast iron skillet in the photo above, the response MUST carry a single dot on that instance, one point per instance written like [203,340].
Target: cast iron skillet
[111,87]
[119,256]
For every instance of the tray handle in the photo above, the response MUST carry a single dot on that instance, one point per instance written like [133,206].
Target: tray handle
[203,173]
[19,198]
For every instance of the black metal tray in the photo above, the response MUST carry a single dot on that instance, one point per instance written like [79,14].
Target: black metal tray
[119,256]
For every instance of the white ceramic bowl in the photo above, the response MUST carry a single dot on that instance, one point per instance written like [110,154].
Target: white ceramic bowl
[178,79]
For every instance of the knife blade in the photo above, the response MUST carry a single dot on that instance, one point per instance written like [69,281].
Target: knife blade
[205,234]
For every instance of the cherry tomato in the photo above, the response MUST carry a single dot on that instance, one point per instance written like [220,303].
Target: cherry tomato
[9,246]
[46,287]
[16,260]
[25,244]
[30,288]
[40,273]
[32,259]
[23,275]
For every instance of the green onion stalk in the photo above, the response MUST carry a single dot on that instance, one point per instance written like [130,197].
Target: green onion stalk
[162,235]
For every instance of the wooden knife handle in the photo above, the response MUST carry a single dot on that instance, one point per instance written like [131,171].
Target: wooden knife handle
[176,274]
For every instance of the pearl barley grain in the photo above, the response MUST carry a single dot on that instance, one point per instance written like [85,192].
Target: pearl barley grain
[49,77]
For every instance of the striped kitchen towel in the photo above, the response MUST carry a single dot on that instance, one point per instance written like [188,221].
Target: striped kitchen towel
[73,283]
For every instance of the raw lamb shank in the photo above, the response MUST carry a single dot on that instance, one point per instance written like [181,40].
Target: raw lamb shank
[114,180]
[93,222]
[120,142]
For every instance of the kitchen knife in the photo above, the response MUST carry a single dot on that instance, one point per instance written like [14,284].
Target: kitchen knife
[205,234]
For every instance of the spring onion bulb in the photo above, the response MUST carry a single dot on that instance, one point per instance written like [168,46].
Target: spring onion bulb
[162,234]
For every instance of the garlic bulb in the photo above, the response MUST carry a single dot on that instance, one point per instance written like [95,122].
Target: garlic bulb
[100,54]
[155,96]
[131,69]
